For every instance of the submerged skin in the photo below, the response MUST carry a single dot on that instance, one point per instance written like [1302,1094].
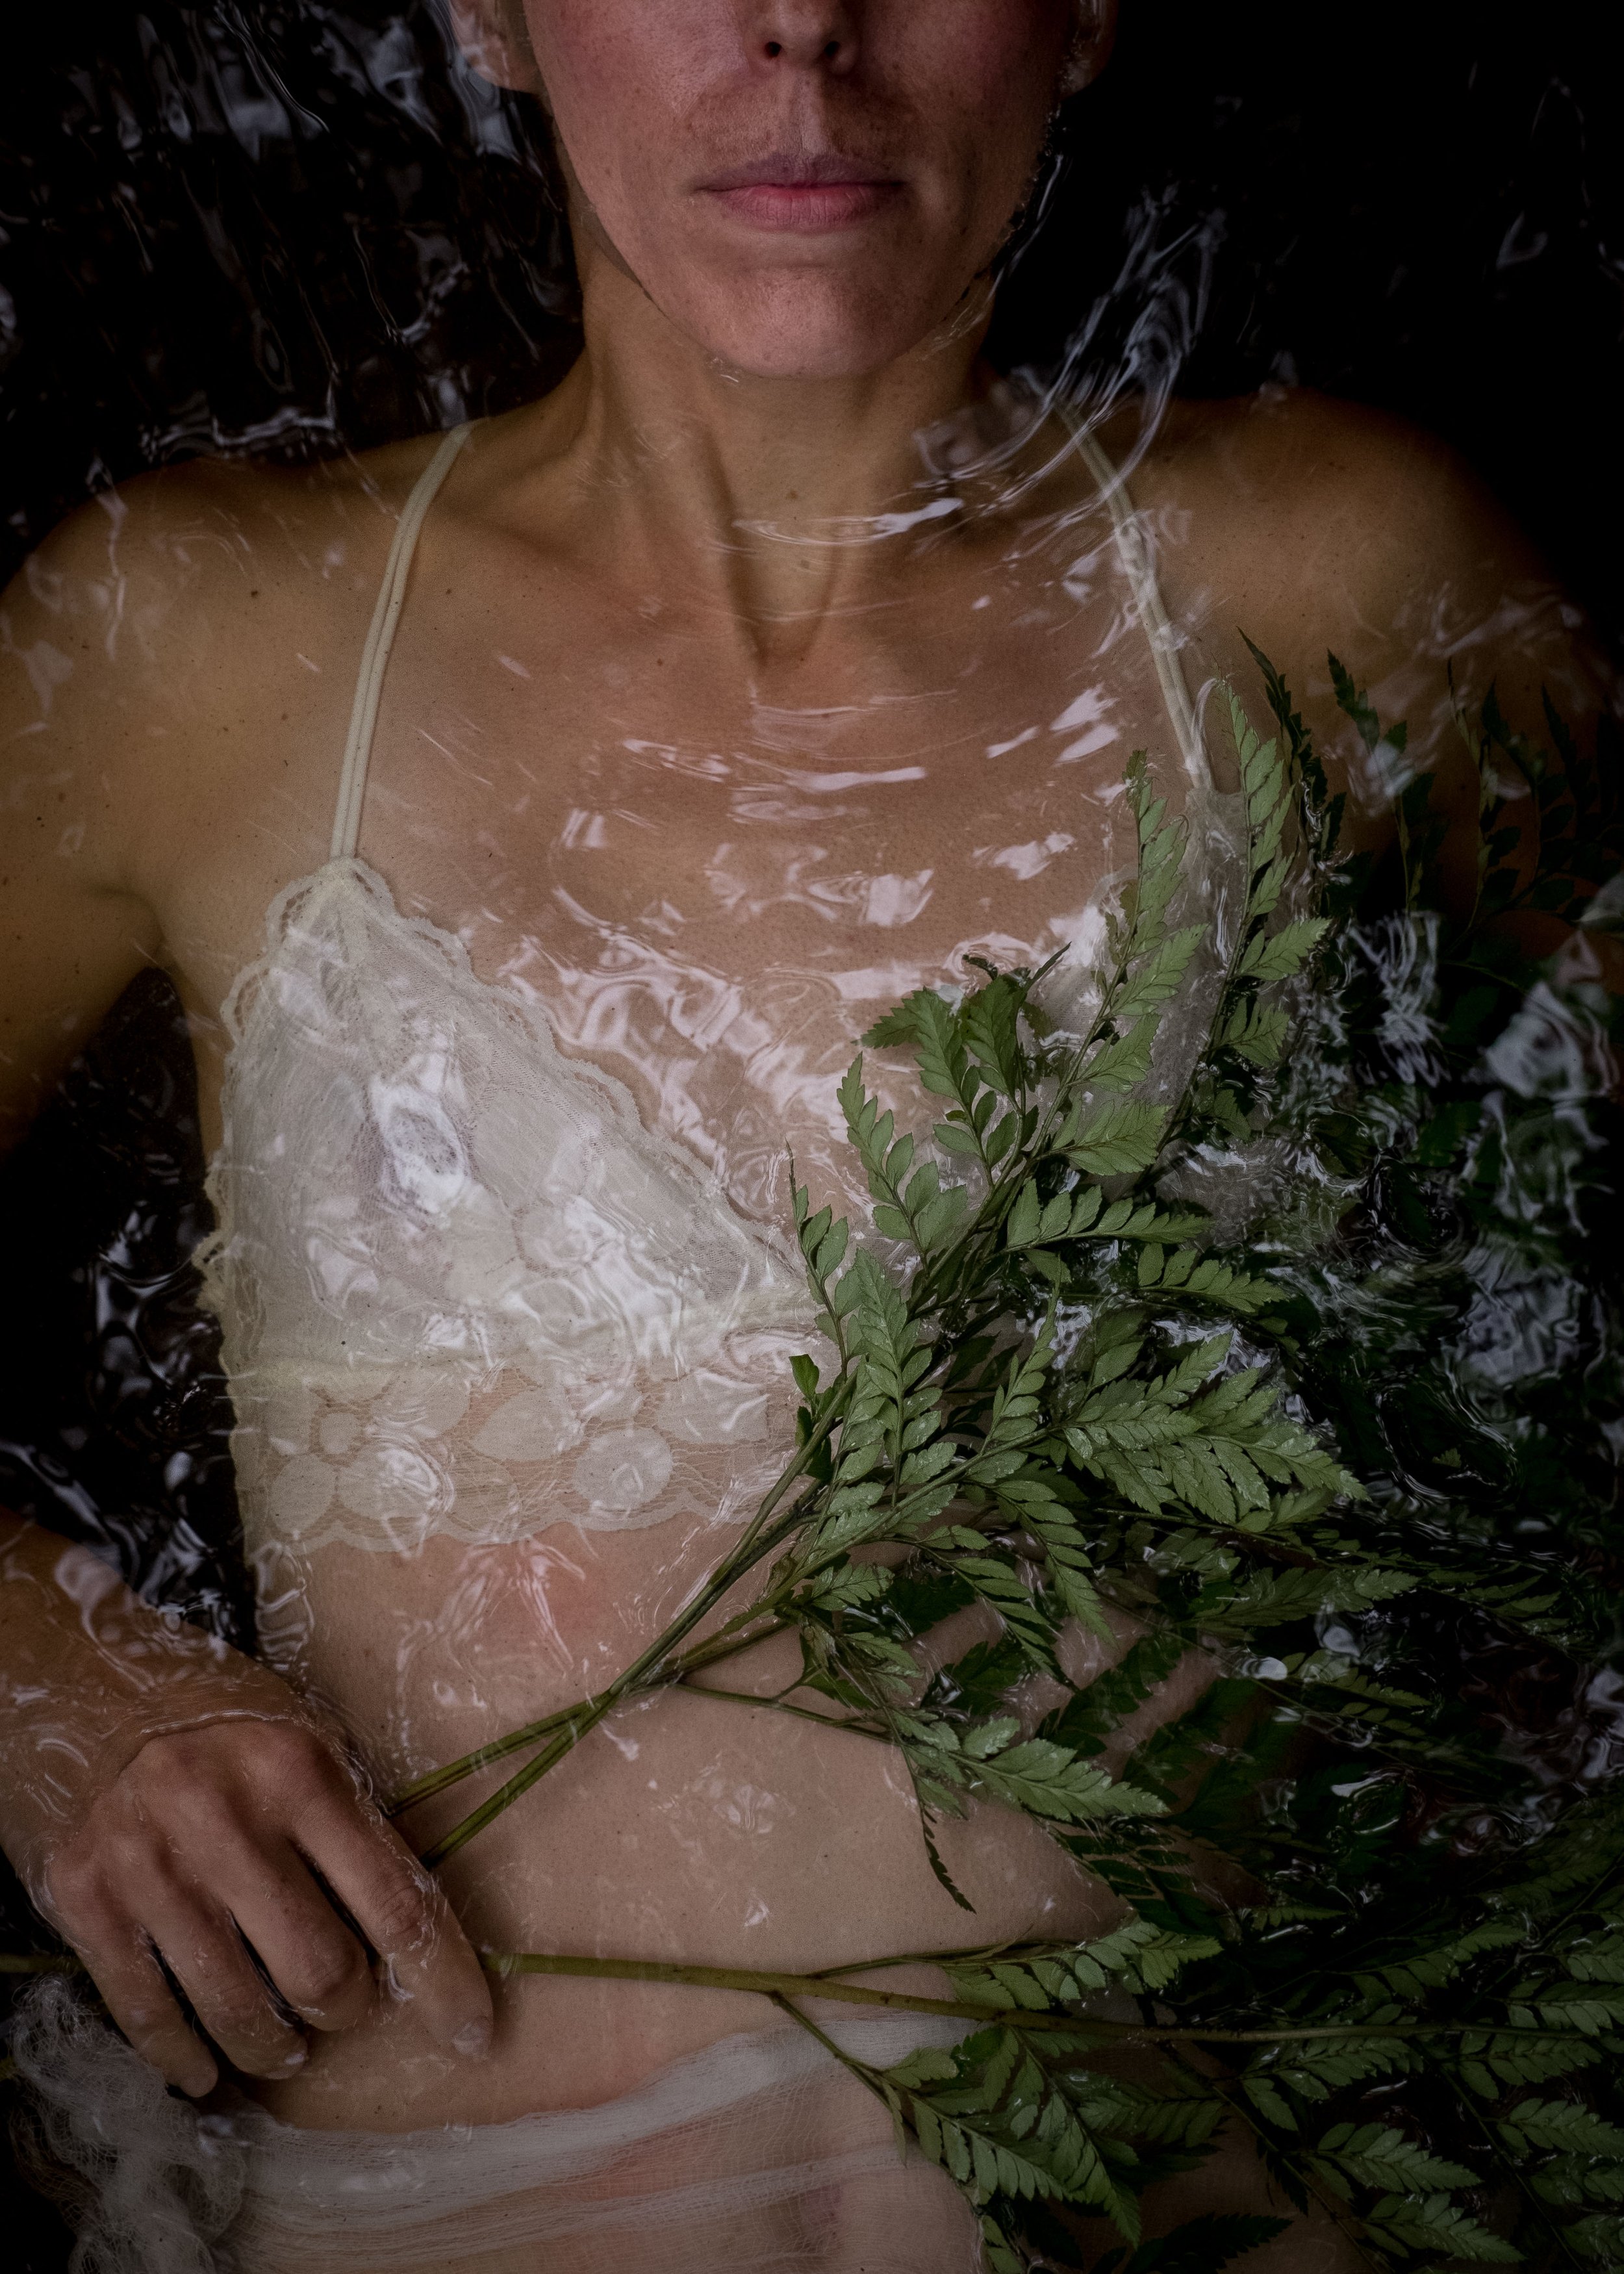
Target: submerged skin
[676,554]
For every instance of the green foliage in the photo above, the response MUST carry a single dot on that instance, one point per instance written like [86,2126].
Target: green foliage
[1299,1448]
[1156,1448]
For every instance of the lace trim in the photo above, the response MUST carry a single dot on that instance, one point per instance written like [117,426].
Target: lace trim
[494,1459]
[653,1475]
[445,949]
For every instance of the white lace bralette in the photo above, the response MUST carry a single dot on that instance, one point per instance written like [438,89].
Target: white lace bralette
[462,1288]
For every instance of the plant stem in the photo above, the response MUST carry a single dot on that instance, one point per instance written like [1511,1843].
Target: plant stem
[504,1796]
[728,1646]
[772,1985]
[655,1669]
[777,1986]
[559,1732]
[577,1719]
[500,1749]
[858,2068]
[535,1733]
[846,1727]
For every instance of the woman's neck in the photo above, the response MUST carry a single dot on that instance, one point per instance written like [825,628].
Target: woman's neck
[754,496]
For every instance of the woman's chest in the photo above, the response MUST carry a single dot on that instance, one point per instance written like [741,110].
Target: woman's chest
[713,903]
[713,866]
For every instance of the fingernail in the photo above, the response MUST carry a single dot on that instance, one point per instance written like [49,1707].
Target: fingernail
[472,2040]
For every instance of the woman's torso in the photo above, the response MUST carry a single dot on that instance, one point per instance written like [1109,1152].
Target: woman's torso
[703,883]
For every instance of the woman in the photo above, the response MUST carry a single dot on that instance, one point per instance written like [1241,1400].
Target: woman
[604,772]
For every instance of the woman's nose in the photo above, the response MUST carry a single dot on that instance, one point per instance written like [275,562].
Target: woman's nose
[805,32]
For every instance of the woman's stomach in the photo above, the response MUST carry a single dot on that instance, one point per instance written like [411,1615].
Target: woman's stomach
[687,1828]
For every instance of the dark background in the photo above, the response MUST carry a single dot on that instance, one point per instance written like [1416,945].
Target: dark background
[300,228]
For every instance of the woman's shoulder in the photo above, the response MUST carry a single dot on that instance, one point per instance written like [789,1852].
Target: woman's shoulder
[177,663]
[1318,527]
[1314,523]
[196,545]
[169,624]
[1314,432]
[1330,495]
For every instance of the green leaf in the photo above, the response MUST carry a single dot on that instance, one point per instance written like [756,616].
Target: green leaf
[1563,2125]
[1022,1226]
[1376,2156]
[1260,2090]
[1276,956]
[1119,1138]
[1435,2223]
[1154,981]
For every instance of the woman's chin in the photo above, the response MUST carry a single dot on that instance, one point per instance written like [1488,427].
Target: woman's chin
[810,332]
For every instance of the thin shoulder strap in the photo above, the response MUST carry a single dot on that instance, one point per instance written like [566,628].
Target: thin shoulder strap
[379,640]
[1137,566]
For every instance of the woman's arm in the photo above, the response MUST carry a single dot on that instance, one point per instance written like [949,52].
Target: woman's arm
[172,1807]
[75,925]
[174,1811]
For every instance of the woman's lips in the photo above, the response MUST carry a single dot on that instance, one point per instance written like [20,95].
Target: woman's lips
[800,193]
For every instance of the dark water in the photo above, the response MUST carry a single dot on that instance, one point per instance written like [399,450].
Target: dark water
[302,228]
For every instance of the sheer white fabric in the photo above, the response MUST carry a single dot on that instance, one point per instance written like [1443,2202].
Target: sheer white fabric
[461,1289]
[758,2155]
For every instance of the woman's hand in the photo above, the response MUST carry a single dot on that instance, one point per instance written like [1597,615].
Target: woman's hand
[239,1859]
[181,1817]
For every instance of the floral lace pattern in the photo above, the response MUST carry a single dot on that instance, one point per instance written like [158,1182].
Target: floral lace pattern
[461,1289]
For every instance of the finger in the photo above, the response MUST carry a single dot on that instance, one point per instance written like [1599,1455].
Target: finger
[319,1966]
[402,1910]
[200,1946]
[120,1962]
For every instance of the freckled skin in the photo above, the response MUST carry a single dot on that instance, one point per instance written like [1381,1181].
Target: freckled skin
[708,732]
